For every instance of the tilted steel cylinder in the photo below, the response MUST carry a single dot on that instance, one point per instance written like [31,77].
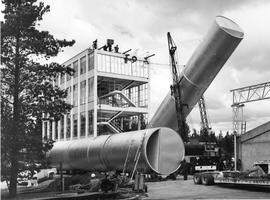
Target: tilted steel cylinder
[201,69]
[162,151]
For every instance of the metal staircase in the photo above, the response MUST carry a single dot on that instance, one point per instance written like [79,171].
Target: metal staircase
[112,126]
[118,92]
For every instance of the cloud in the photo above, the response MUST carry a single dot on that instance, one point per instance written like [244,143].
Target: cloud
[143,25]
[123,31]
[253,53]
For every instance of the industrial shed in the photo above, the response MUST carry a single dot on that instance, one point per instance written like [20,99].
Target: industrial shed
[254,145]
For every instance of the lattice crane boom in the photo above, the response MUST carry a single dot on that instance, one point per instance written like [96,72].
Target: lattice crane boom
[204,117]
[176,89]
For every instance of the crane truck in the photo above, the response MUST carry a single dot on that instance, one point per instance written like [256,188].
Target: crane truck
[258,175]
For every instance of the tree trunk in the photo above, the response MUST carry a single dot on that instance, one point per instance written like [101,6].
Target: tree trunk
[15,123]
[13,178]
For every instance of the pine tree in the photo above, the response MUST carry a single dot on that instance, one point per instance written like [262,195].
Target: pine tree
[186,135]
[26,85]
[204,135]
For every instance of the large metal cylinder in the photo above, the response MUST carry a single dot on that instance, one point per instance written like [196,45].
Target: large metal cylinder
[162,151]
[213,52]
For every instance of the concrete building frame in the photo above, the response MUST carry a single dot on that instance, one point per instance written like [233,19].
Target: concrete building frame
[106,89]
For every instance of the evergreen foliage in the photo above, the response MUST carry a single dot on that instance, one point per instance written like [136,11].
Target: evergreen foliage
[225,143]
[27,89]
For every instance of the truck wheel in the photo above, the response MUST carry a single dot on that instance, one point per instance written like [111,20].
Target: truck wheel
[207,180]
[197,179]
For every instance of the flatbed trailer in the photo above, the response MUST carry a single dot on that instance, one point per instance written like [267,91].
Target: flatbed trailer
[243,181]
[251,177]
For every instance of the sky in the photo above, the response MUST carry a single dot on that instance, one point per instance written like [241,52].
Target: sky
[143,24]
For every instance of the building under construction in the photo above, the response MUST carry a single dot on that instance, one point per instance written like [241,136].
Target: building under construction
[109,92]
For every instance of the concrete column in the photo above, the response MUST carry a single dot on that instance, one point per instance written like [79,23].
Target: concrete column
[122,123]
[239,151]
[71,126]
[139,121]
[65,127]
[87,94]
[43,129]
[95,94]
[58,128]
[48,128]
[53,130]
[138,97]
[79,100]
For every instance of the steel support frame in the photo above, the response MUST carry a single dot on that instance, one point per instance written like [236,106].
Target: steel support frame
[237,120]
[244,95]
[251,93]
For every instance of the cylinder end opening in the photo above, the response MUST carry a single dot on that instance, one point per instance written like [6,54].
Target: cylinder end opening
[230,26]
[164,151]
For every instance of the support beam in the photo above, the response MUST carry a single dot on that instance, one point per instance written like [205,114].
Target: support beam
[251,93]
[127,85]
[115,92]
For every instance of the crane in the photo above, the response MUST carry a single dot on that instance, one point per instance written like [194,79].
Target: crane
[176,92]
[205,124]
[176,89]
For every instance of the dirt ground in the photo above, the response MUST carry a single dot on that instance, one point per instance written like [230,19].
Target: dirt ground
[181,189]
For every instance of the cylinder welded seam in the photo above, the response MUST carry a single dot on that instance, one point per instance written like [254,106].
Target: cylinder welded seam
[158,157]
[143,150]
[102,158]
[87,153]
[68,147]
[191,82]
